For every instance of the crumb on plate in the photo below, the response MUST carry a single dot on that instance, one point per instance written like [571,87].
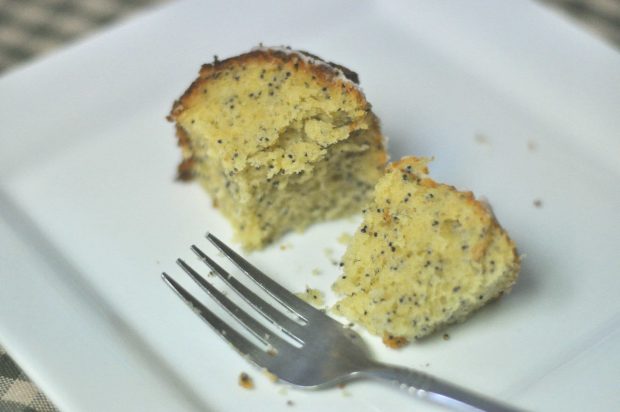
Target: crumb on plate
[394,342]
[481,139]
[245,381]
[345,238]
[285,246]
[329,252]
[272,376]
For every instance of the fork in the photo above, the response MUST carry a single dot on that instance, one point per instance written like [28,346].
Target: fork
[326,354]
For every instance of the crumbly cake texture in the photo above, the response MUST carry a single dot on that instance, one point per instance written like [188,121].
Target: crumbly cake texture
[425,255]
[280,139]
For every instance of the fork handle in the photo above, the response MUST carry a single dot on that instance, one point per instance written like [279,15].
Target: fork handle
[436,390]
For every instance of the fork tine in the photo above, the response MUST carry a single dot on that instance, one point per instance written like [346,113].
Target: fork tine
[290,327]
[286,298]
[239,342]
[257,329]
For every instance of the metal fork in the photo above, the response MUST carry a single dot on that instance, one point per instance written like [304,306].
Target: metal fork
[327,353]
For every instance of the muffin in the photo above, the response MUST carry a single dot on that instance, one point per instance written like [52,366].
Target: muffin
[280,139]
[426,255]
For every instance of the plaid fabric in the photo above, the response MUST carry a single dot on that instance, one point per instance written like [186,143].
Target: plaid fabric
[600,16]
[17,393]
[32,27]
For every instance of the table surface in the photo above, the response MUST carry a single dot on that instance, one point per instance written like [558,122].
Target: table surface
[31,28]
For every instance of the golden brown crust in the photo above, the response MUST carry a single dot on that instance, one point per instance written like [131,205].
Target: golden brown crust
[348,73]
[327,73]
[185,169]
[416,166]
[182,137]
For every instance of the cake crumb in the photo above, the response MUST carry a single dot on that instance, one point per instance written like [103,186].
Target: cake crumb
[446,336]
[482,139]
[345,238]
[537,203]
[313,296]
[290,403]
[272,377]
[245,381]
[394,342]
[285,246]
[532,145]
[316,271]
[329,252]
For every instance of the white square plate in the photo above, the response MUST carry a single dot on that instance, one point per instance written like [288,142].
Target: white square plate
[515,104]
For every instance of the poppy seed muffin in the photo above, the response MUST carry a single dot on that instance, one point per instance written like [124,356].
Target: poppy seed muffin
[280,139]
[426,255]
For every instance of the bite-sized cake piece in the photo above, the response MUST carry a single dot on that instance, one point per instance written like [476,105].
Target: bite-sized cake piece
[280,139]
[426,255]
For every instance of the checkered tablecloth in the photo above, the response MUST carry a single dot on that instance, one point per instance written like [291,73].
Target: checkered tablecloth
[17,392]
[599,16]
[30,28]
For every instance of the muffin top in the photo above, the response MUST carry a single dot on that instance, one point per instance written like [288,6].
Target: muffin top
[244,107]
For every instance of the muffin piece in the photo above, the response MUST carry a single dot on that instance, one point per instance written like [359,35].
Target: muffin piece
[426,255]
[280,139]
